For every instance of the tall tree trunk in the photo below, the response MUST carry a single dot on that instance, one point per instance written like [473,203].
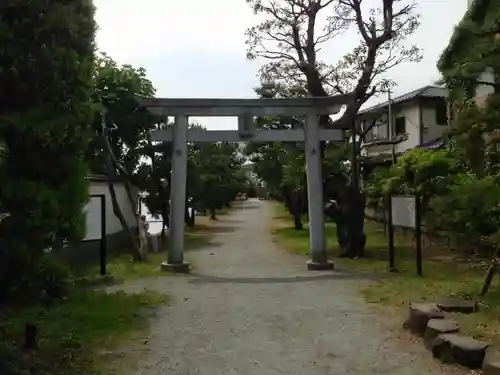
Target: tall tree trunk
[165,216]
[119,214]
[111,165]
[293,206]
[297,221]
[356,234]
[213,213]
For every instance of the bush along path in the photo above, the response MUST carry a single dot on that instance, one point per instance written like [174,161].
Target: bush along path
[251,308]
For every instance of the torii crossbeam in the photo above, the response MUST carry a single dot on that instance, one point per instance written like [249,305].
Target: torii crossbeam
[245,110]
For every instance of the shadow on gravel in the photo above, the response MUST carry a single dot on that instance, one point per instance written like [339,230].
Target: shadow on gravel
[207,279]
[222,229]
[247,206]
[230,221]
[205,246]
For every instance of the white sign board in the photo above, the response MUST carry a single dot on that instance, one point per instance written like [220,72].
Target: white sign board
[92,212]
[403,211]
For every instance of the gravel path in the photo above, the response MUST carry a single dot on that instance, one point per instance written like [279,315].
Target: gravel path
[251,308]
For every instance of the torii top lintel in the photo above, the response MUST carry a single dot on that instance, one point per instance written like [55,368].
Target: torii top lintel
[245,107]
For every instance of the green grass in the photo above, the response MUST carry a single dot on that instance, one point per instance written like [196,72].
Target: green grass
[444,274]
[71,332]
[121,266]
[297,241]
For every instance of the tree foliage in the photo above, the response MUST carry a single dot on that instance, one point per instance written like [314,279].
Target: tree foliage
[454,198]
[215,176]
[45,115]
[290,36]
[121,130]
[281,165]
[293,32]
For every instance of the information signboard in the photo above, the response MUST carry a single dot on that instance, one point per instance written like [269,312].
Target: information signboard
[403,210]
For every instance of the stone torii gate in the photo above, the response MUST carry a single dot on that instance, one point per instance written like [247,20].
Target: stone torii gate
[245,110]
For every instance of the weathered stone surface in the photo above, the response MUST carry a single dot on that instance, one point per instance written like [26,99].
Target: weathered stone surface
[419,316]
[455,348]
[491,364]
[436,327]
[459,305]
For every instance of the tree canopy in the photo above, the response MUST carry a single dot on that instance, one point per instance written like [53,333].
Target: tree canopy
[293,33]
[46,112]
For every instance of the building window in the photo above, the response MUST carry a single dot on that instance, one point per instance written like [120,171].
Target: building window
[441,113]
[400,125]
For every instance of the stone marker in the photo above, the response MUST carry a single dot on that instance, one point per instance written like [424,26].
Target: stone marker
[455,348]
[436,327]
[419,316]
[491,364]
[458,305]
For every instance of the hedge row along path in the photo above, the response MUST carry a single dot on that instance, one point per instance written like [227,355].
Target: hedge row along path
[251,308]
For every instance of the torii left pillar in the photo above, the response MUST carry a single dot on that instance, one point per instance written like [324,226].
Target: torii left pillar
[175,261]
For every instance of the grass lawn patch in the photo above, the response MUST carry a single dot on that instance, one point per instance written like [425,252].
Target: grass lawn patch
[122,267]
[444,274]
[72,332]
[297,241]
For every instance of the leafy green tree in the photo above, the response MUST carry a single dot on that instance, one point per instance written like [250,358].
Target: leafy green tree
[153,177]
[424,172]
[281,164]
[121,128]
[469,211]
[46,114]
[215,176]
[289,37]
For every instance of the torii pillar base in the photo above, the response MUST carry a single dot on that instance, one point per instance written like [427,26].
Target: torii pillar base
[183,267]
[323,266]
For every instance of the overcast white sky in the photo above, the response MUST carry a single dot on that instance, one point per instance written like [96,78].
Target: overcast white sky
[197,48]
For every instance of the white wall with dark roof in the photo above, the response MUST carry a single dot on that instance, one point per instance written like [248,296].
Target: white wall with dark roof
[93,210]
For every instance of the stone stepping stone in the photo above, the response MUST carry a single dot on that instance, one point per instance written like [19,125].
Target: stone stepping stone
[419,316]
[491,364]
[456,348]
[436,327]
[457,305]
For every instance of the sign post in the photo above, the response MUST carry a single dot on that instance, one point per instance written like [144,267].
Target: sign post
[404,211]
[418,235]
[390,230]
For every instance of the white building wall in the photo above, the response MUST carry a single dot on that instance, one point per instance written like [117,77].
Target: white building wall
[414,115]
[93,210]
[411,112]
[432,130]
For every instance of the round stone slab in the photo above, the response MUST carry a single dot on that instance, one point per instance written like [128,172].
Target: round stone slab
[436,327]
[419,316]
[491,364]
[463,350]
[458,305]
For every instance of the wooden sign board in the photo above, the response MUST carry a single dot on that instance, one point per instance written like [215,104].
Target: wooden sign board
[403,209]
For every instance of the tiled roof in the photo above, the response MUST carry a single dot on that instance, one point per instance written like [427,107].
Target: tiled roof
[423,92]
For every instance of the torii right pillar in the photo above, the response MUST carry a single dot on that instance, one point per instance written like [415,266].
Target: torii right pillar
[317,243]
